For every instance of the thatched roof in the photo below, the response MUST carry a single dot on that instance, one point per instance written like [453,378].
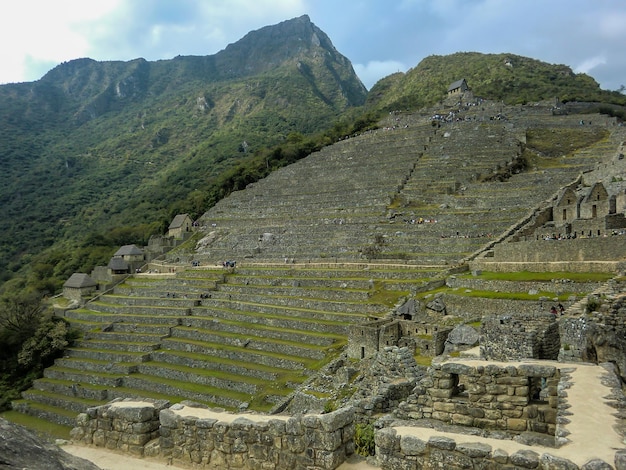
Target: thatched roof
[178,221]
[117,264]
[127,250]
[79,281]
[457,84]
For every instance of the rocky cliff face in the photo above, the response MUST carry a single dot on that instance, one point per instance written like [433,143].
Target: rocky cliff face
[20,449]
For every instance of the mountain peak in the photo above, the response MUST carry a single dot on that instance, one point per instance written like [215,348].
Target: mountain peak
[266,48]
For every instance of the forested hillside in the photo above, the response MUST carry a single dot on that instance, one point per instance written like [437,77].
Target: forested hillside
[100,154]
[507,77]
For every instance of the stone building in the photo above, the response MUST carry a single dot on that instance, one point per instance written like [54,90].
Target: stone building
[180,225]
[520,336]
[458,87]
[367,339]
[515,398]
[79,285]
[132,255]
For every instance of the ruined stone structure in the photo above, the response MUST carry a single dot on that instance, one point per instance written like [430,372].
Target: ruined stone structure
[199,437]
[79,287]
[515,336]
[181,226]
[512,398]
[458,87]
[368,338]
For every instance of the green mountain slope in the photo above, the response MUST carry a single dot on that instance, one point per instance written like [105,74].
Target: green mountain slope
[114,149]
[507,77]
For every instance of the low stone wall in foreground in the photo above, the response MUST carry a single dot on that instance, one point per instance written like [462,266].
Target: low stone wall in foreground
[397,451]
[198,437]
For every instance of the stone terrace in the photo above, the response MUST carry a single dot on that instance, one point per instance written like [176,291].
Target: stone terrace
[372,191]
[224,338]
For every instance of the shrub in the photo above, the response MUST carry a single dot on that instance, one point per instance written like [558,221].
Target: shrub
[364,440]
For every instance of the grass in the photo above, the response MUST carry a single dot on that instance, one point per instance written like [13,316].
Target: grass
[41,427]
[529,276]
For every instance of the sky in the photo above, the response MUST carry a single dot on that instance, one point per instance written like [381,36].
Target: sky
[380,37]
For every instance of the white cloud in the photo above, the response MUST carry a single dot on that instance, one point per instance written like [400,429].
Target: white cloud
[588,64]
[374,70]
[40,31]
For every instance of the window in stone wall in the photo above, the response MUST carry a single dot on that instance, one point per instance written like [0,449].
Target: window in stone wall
[537,390]
[459,390]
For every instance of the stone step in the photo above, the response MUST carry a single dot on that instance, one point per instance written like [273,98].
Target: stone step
[124,337]
[128,346]
[69,388]
[332,309]
[110,318]
[78,376]
[45,412]
[216,307]
[213,379]
[164,300]
[209,363]
[66,402]
[251,343]
[238,354]
[247,287]
[189,391]
[92,365]
[106,355]
[243,330]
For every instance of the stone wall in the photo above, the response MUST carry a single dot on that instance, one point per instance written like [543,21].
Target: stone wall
[194,436]
[520,336]
[542,251]
[123,425]
[407,452]
[257,441]
[511,399]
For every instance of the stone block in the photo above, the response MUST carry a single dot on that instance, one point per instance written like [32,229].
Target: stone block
[463,420]
[500,456]
[512,399]
[440,442]
[521,391]
[440,393]
[494,389]
[474,449]
[448,407]
[337,419]
[596,464]
[493,414]
[515,413]
[525,459]
[514,424]
[441,416]
[476,412]
[411,445]
[457,368]
[387,440]
[329,459]
[327,440]
[536,370]
[483,423]
[519,381]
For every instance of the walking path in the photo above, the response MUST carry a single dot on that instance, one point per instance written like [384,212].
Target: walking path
[592,427]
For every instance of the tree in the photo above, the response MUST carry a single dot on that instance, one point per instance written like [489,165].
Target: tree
[20,314]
